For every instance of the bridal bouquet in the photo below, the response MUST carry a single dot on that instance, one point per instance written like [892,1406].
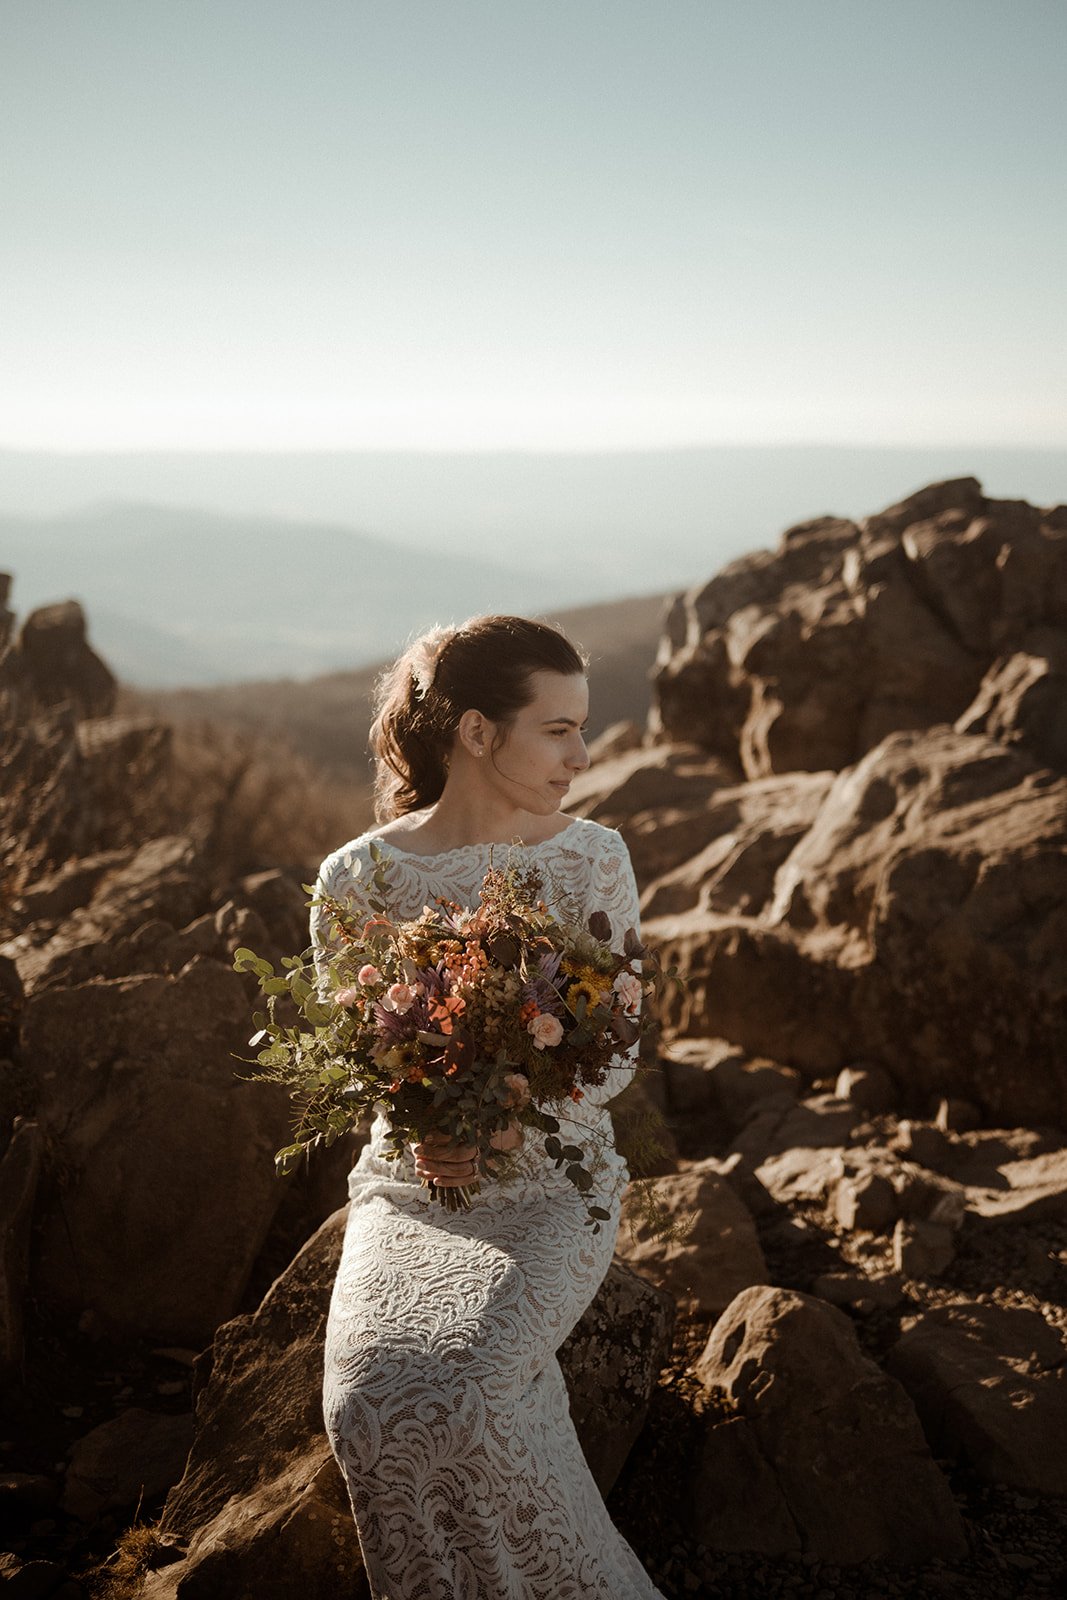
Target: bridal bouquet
[459,1022]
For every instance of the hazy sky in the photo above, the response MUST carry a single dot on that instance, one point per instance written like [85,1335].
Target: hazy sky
[563,224]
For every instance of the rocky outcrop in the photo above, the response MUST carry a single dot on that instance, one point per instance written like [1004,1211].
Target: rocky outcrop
[920,922]
[262,1506]
[804,658]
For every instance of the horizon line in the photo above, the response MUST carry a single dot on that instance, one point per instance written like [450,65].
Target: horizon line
[692,448]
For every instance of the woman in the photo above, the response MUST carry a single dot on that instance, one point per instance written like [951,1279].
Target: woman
[444,1403]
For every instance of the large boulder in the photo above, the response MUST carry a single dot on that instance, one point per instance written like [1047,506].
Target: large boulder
[263,1507]
[161,1185]
[990,1386]
[806,656]
[817,1452]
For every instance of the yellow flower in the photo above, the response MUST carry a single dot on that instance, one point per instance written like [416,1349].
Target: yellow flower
[594,992]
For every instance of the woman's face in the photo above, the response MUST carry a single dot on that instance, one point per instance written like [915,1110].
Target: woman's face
[544,748]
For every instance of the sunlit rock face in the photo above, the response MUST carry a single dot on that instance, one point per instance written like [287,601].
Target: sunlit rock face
[949,606]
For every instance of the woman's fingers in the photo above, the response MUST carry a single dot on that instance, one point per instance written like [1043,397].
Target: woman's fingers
[446,1163]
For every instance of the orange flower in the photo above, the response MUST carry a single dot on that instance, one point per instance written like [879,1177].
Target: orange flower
[576,1094]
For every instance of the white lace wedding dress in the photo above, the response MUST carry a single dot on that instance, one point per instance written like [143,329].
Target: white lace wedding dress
[442,1396]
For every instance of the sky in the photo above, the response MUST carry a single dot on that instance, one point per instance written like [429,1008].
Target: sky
[562,225]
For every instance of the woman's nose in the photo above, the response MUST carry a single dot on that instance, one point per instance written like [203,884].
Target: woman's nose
[579,758]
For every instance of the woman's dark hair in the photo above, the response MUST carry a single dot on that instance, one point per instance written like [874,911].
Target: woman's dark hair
[485,665]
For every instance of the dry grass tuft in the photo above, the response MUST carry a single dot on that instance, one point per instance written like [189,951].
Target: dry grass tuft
[122,1575]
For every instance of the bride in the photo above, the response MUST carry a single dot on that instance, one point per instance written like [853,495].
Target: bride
[442,1396]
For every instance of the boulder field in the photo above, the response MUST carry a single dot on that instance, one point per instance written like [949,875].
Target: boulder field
[847,812]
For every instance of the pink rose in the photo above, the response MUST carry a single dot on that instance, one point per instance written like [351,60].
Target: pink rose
[546,1029]
[400,997]
[628,988]
[369,974]
[347,997]
[519,1084]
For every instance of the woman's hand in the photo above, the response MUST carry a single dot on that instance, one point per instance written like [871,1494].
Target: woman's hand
[447,1164]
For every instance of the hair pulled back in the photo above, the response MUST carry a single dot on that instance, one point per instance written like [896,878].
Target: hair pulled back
[486,666]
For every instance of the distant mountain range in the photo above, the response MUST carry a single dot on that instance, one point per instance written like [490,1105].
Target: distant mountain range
[205,568]
[186,597]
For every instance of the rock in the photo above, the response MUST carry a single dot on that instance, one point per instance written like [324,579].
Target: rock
[20,1169]
[823,1453]
[921,921]
[138,1453]
[725,858]
[31,1580]
[59,893]
[1012,1175]
[956,1116]
[867,1201]
[855,1289]
[611,1361]
[817,1122]
[60,662]
[642,1134]
[804,657]
[923,1249]
[263,1507]
[689,1086]
[26,1494]
[171,1188]
[799,1176]
[1023,698]
[721,1254]
[619,739]
[990,1385]
[741,1177]
[922,1143]
[868,1087]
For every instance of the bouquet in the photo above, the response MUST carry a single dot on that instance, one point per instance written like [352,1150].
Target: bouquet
[459,1022]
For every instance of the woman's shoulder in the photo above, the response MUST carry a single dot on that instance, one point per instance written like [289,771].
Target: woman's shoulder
[348,862]
[597,838]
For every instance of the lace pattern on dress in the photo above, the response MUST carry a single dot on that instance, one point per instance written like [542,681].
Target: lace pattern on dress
[442,1396]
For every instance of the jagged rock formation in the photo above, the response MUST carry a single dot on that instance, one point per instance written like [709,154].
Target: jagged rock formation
[949,607]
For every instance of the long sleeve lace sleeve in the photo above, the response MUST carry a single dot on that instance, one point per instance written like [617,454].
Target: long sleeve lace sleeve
[337,876]
[613,890]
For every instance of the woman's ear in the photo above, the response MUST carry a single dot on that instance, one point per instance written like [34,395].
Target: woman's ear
[474,732]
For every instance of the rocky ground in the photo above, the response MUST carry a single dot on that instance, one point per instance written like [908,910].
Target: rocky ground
[848,817]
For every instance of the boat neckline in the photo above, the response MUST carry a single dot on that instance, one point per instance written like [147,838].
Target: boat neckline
[457,849]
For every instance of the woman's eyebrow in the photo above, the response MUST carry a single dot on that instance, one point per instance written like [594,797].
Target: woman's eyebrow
[568,720]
